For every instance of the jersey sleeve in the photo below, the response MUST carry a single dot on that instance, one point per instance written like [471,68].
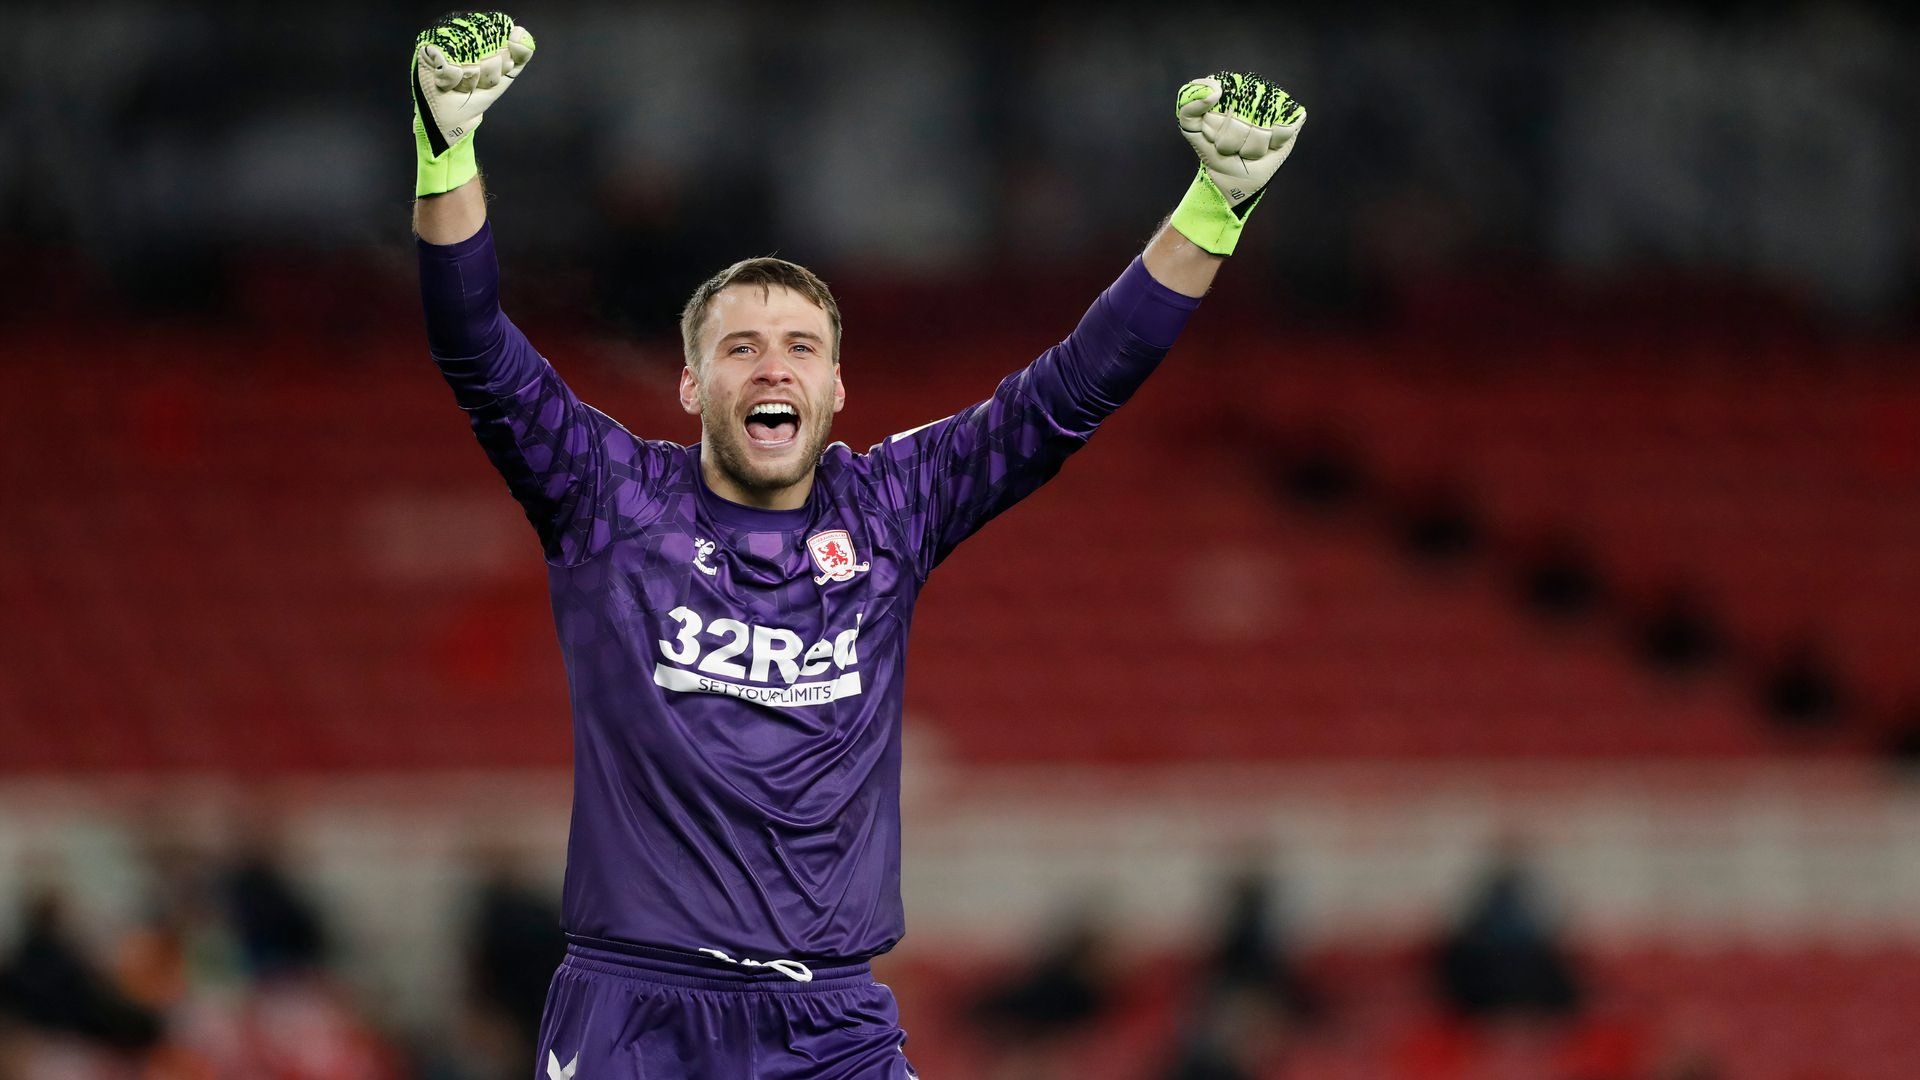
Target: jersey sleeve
[581,478]
[950,477]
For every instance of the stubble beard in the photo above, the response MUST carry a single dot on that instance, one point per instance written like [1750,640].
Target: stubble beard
[727,439]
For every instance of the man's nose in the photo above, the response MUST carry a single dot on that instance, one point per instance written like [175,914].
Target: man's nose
[773,369]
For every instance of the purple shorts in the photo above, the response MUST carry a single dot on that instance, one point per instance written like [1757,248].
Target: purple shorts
[645,1014]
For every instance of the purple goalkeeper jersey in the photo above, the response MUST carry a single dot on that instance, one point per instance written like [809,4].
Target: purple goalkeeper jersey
[736,674]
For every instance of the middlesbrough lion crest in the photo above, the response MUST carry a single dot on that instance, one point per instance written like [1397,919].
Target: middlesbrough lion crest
[833,554]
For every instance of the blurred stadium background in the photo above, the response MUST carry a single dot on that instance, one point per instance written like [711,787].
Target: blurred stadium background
[1485,651]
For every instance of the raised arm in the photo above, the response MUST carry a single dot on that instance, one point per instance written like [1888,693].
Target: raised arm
[952,476]
[580,477]
[461,66]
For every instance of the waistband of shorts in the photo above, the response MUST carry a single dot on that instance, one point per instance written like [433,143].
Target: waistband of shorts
[694,971]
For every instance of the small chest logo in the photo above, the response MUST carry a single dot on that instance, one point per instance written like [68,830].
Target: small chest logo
[702,549]
[833,554]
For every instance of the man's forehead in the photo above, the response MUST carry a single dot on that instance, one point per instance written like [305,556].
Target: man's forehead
[741,307]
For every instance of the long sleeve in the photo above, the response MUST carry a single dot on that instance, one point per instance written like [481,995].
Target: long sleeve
[951,477]
[480,352]
[581,478]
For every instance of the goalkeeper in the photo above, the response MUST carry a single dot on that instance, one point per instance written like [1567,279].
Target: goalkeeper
[733,613]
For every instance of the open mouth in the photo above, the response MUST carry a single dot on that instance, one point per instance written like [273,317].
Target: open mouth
[773,424]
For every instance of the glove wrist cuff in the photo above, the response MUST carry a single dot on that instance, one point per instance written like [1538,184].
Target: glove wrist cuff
[438,175]
[1205,217]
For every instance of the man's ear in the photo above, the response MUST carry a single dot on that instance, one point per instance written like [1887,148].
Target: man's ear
[839,390]
[689,391]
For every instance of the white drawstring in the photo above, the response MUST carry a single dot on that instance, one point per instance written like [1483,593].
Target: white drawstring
[792,969]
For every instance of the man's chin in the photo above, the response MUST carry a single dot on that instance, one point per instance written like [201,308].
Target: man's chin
[760,472]
[767,481]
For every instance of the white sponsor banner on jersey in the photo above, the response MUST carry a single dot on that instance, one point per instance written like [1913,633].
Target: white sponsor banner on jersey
[806,693]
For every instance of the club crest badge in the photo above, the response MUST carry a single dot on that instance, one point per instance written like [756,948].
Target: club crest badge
[833,554]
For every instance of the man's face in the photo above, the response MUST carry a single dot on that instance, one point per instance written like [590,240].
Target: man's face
[766,392]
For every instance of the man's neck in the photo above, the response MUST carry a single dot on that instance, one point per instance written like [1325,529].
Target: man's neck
[791,497]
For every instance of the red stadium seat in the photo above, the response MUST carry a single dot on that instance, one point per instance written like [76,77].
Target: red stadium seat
[207,575]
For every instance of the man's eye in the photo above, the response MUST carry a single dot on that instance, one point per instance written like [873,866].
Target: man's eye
[738,349]
[803,346]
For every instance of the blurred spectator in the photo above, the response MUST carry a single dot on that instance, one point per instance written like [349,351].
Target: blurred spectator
[1440,528]
[514,944]
[1679,637]
[1802,691]
[279,930]
[1504,957]
[1251,994]
[49,983]
[1324,476]
[1026,1017]
[1250,951]
[1560,583]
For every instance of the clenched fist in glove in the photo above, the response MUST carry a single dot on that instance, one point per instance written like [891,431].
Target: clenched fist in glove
[461,65]
[1241,127]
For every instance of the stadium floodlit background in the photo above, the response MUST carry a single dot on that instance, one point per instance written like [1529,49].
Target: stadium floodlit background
[1486,649]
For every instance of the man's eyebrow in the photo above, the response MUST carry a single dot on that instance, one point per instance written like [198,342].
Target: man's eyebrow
[757,336]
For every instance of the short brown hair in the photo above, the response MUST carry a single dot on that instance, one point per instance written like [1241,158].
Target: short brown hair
[765,272]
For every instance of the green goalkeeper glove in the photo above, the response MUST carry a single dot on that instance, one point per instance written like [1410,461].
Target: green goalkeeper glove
[1242,127]
[461,65]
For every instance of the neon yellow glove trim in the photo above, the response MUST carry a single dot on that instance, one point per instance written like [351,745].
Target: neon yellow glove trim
[437,175]
[1205,217]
